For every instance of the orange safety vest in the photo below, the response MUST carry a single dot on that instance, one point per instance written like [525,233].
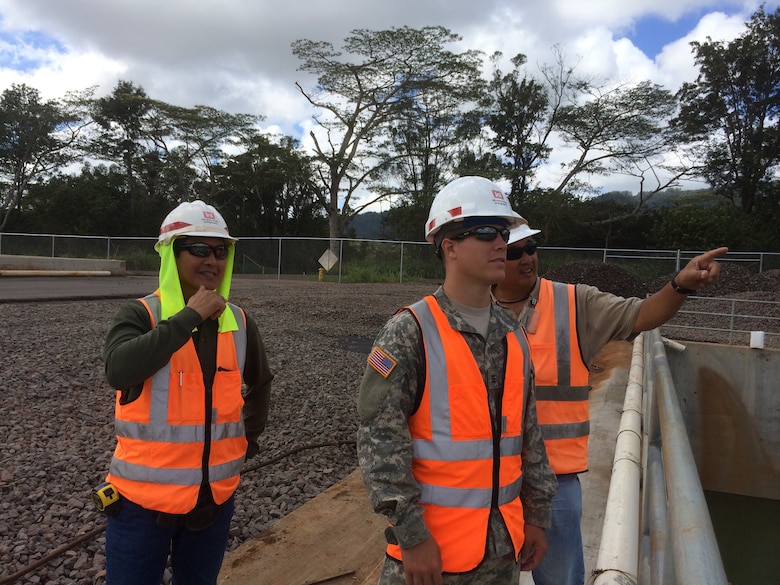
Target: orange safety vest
[561,379]
[161,436]
[462,469]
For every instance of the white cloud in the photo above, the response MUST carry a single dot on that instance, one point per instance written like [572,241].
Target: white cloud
[236,54]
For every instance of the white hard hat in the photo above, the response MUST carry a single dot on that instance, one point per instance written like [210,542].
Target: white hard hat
[521,231]
[468,197]
[193,218]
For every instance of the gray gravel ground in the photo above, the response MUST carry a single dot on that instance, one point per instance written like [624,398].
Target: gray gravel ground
[57,423]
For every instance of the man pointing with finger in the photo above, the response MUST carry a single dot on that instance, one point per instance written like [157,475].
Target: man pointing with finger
[193,389]
[567,325]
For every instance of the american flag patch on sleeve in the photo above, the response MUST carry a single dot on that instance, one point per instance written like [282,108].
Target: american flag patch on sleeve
[381,362]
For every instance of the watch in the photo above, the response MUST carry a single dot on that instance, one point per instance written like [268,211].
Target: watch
[679,289]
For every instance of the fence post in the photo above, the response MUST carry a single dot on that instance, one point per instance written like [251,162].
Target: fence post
[401,271]
[341,257]
[279,261]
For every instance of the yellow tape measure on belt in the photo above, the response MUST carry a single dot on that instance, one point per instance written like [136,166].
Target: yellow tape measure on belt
[106,498]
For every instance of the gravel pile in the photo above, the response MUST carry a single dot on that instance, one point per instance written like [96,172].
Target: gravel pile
[752,304]
[57,423]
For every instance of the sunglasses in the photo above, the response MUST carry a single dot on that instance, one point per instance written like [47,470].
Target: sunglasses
[484,233]
[203,250]
[516,252]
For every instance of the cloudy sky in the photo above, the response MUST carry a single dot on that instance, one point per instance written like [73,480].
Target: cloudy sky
[236,55]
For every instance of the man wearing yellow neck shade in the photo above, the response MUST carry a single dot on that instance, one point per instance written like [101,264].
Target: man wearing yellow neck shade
[193,390]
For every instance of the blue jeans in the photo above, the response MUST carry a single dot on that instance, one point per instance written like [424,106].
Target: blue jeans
[137,548]
[564,563]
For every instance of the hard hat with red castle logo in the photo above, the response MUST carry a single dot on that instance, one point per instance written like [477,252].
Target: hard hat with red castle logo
[468,197]
[193,218]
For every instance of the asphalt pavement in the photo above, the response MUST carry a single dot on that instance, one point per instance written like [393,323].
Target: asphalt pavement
[48,288]
[19,289]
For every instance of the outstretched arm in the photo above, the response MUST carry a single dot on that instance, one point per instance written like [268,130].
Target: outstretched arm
[701,272]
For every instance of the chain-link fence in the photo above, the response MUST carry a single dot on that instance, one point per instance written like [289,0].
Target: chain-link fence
[350,260]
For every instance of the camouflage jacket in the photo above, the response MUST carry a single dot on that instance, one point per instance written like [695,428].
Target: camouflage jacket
[388,396]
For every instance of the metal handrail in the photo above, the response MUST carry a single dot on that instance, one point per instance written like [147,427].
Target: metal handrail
[618,553]
[723,321]
[694,547]
[657,527]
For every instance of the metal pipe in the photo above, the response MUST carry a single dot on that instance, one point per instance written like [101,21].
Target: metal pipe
[695,550]
[619,549]
[660,563]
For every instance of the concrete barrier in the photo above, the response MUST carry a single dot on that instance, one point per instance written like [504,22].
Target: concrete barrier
[12,265]
[731,406]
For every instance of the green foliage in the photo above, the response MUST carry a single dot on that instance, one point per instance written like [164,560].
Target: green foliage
[142,261]
[406,221]
[365,271]
[519,107]
[267,191]
[732,109]
[37,138]
[554,213]
[698,228]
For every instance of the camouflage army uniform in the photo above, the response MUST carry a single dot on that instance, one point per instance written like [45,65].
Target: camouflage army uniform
[385,444]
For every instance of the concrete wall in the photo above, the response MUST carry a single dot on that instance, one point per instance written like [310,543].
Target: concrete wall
[730,399]
[13,263]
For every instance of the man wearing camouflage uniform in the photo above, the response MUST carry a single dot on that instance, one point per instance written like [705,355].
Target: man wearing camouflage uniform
[448,443]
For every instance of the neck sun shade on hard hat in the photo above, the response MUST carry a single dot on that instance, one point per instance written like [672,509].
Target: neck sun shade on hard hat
[172,299]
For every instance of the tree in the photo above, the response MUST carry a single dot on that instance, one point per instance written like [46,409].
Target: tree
[88,202]
[732,110]
[267,190]
[37,138]
[168,152]
[521,115]
[609,127]
[420,151]
[191,142]
[385,77]
[621,129]
[122,115]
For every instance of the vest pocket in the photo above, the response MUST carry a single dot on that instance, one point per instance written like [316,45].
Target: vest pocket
[186,398]
[226,396]
[545,364]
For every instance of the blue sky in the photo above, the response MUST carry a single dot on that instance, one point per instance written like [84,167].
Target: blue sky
[652,33]
[26,51]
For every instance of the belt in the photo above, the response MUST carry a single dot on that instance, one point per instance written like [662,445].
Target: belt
[197,519]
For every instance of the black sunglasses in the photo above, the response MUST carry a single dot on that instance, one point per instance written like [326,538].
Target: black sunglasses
[204,250]
[486,233]
[516,252]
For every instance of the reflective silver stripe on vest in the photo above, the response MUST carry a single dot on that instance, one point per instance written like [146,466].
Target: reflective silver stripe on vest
[173,476]
[564,391]
[468,498]
[442,447]
[565,431]
[178,433]
[158,429]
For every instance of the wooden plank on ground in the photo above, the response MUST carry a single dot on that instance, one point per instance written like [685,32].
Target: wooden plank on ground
[334,538]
